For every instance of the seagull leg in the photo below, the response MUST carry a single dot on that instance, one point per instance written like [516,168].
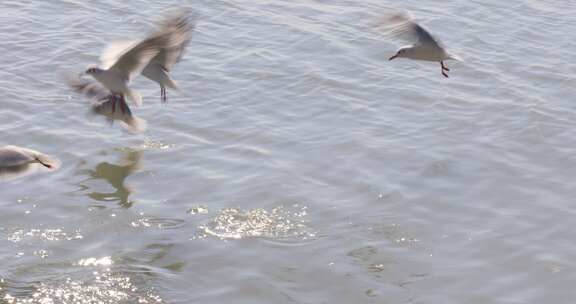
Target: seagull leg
[124,105]
[112,100]
[162,94]
[444,69]
[116,98]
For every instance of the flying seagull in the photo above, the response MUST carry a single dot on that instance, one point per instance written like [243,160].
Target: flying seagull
[120,66]
[157,69]
[425,46]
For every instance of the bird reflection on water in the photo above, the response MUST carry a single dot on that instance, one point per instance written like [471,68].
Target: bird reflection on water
[115,175]
[14,172]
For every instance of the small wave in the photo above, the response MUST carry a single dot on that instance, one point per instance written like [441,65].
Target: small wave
[105,287]
[55,234]
[150,144]
[160,223]
[279,223]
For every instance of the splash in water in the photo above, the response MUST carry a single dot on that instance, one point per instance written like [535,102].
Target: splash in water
[100,285]
[278,223]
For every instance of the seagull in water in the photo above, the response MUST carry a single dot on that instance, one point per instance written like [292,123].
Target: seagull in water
[159,66]
[426,47]
[120,65]
[12,156]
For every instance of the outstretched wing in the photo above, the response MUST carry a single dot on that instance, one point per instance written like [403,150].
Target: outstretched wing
[403,25]
[132,61]
[181,25]
[115,50]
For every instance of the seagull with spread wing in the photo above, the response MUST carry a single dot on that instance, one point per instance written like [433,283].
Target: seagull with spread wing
[158,67]
[426,47]
[121,64]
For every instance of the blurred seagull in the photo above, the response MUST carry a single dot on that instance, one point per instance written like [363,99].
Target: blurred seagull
[425,47]
[105,103]
[158,68]
[13,156]
[121,65]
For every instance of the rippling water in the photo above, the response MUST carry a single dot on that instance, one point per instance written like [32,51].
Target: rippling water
[297,165]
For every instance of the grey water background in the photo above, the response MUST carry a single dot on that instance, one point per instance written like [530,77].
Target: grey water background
[297,165]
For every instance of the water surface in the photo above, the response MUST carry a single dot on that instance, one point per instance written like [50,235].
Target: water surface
[297,165]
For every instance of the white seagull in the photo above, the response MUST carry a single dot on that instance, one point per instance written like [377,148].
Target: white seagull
[12,156]
[426,47]
[120,66]
[159,66]
[158,69]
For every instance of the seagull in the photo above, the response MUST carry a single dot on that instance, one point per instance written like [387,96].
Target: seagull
[159,66]
[426,47]
[120,65]
[13,156]
[105,103]
[158,69]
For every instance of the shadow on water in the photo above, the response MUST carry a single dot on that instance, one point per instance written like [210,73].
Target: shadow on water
[115,175]
[15,172]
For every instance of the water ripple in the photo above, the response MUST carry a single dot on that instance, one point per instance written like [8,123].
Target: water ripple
[50,235]
[279,223]
[102,286]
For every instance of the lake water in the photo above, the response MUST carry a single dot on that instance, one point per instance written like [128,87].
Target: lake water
[298,164]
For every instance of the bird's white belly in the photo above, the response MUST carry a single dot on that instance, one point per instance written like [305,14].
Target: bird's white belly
[428,54]
[154,73]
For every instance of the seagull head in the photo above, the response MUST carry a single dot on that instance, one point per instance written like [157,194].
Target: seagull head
[46,161]
[93,71]
[403,52]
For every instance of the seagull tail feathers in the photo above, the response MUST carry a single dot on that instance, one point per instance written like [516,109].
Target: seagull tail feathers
[169,82]
[455,57]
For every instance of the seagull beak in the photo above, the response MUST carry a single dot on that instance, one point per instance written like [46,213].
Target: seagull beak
[392,57]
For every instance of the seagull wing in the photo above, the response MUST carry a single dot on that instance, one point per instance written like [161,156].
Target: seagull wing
[424,37]
[134,60]
[180,26]
[91,89]
[403,25]
[115,50]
